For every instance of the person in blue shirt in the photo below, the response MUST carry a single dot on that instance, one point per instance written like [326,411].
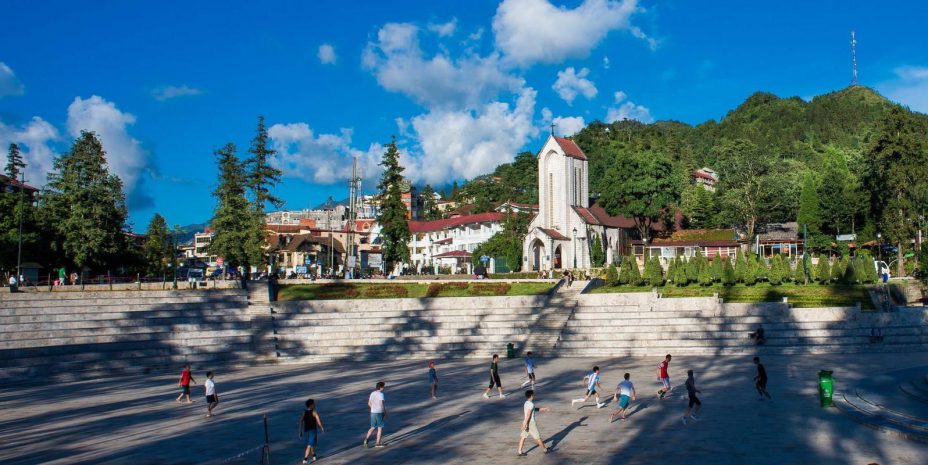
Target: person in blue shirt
[529,370]
[433,379]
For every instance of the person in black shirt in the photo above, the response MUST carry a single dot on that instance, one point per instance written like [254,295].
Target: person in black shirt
[760,381]
[691,391]
[309,422]
[494,378]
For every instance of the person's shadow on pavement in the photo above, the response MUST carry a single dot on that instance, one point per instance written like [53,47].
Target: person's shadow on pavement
[560,435]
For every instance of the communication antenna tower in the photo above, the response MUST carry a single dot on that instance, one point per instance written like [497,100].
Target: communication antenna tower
[854,57]
[354,203]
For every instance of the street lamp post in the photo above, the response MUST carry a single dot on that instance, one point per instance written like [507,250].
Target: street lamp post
[22,213]
[174,255]
[575,248]
[879,247]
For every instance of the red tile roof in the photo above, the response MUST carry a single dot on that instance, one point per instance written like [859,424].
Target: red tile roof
[704,175]
[438,225]
[554,234]
[453,254]
[570,148]
[586,216]
[4,179]
[694,243]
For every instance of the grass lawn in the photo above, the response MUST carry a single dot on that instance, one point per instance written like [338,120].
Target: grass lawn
[799,296]
[409,290]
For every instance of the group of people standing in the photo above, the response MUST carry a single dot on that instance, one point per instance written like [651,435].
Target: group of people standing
[310,423]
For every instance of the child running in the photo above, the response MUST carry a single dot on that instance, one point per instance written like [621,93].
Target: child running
[760,381]
[592,388]
[186,377]
[625,390]
[494,378]
[309,422]
[691,391]
[529,370]
[433,379]
[529,426]
[212,397]
[663,377]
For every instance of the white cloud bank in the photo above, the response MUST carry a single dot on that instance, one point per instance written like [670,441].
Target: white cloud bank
[444,29]
[536,31]
[570,84]
[35,140]
[910,87]
[9,84]
[627,109]
[326,54]
[322,158]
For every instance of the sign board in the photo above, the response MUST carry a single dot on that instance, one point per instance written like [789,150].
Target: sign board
[220,262]
[352,261]
[484,259]
[307,260]
[846,237]
[374,260]
[300,269]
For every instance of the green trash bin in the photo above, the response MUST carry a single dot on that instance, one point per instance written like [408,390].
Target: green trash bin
[825,388]
[510,351]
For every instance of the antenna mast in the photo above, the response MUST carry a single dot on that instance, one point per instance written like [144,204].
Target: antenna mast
[854,57]
[354,192]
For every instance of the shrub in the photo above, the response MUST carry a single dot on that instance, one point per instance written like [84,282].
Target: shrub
[488,289]
[435,289]
[837,270]
[630,274]
[750,270]
[850,273]
[717,269]
[728,273]
[612,276]
[692,269]
[705,275]
[866,271]
[797,274]
[775,273]
[387,291]
[823,271]
[672,268]
[653,272]
[679,276]
[741,267]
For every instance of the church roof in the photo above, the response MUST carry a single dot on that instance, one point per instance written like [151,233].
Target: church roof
[570,148]
[597,216]
[554,234]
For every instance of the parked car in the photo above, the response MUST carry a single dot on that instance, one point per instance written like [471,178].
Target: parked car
[196,275]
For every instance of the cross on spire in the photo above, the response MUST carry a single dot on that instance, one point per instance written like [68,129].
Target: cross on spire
[552,128]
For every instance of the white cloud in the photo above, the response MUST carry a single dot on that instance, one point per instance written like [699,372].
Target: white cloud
[444,29]
[124,154]
[9,84]
[910,87]
[34,140]
[168,92]
[570,83]
[456,144]
[568,125]
[440,81]
[605,62]
[326,54]
[322,158]
[536,31]
[627,110]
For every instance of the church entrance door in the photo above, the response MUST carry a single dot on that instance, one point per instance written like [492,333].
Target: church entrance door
[557,258]
[538,253]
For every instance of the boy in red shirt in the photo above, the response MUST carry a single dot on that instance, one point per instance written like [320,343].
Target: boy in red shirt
[663,377]
[186,377]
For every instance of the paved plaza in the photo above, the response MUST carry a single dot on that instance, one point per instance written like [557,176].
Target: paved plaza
[136,420]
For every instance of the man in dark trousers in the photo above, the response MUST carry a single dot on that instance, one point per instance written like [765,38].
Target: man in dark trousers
[760,381]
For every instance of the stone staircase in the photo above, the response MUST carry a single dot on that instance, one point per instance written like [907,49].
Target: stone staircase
[73,335]
[552,319]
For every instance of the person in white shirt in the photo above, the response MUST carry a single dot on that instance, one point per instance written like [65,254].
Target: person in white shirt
[592,388]
[529,427]
[624,391]
[212,397]
[378,408]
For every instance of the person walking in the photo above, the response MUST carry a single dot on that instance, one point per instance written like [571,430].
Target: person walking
[494,378]
[760,380]
[529,370]
[433,379]
[186,377]
[664,377]
[592,388]
[309,423]
[529,425]
[625,391]
[691,392]
[212,397]
[378,406]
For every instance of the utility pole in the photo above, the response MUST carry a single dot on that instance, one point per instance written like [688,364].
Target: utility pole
[176,231]
[331,237]
[22,213]
[354,191]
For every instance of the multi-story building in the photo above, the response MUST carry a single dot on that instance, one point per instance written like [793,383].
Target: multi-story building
[449,243]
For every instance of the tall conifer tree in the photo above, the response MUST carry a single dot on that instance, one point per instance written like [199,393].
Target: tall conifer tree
[392,217]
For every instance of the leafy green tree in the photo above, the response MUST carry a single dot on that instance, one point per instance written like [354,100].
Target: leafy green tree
[751,185]
[233,217]
[597,254]
[84,205]
[898,170]
[775,274]
[850,273]
[840,193]
[810,210]
[741,267]
[728,273]
[700,207]
[629,273]
[823,271]
[672,267]
[692,269]
[158,247]
[14,205]
[430,210]
[392,216]
[797,273]
[643,186]
[653,272]
[612,275]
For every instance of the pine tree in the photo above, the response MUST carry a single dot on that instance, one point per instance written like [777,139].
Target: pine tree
[810,211]
[612,276]
[837,270]
[717,268]
[85,206]
[750,270]
[14,162]
[797,273]
[775,272]
[671,268]
[158,247]
[632,275]
[741,267]
[728,273]
[597,254]
[653,272]
[392,217]
[850,273]
[866,272]
[705,275]
[261,177]
[679,275]
[823,271]
[692,269]
[233,218]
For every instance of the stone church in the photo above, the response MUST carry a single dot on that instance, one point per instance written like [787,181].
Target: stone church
[561,235]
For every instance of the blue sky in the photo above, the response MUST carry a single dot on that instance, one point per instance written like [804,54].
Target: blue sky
[463,85]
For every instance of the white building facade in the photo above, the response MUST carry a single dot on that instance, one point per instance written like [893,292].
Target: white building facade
[449,243]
